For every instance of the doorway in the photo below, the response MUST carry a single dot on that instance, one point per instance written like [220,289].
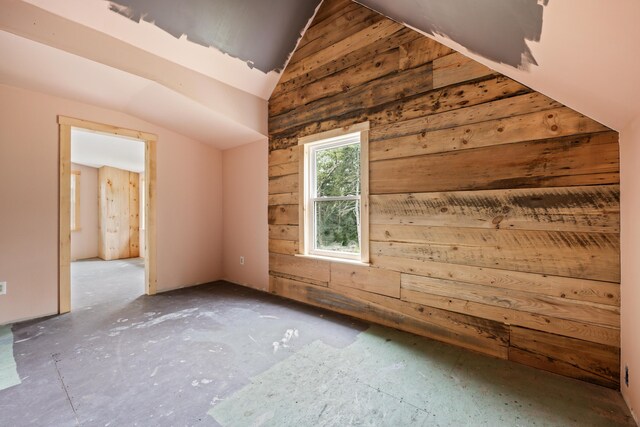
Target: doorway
[139,189]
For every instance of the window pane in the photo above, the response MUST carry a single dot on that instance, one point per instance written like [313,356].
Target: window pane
[338,171]
[337,225]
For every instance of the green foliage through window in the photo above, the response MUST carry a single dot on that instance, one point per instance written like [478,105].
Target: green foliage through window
[337,176]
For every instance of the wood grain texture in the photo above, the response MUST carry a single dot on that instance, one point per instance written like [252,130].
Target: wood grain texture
[596,363]
[283,215]
[151,217]
[357,56]
[593,256]
[370,70]
[287,155]
[569,328]
[283,184]
[283,199]
[64,226]
[547,124]
[113,214]
[582,160]
[509,107]
[375,280]
[588,209]
[373,33]
[134,215]
[456,68]
[606,293]
[283,169]
[310,270]
[561,308]
[345,22]
[421,51]
[401,107]
[283,232]
[286,247]
[470,332]
[386,89]
[493,208]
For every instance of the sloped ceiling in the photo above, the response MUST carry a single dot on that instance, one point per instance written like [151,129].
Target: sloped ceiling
[200,91]
[261,33]
[494,29]
[208,66]
[583,53]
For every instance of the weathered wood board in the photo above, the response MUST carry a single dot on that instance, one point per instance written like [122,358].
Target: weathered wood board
[494,210]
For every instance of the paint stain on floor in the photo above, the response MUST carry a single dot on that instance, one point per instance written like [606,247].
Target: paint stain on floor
[8,370]
[207,356]
[390,378]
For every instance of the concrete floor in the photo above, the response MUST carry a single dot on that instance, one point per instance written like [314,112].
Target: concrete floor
[220,354]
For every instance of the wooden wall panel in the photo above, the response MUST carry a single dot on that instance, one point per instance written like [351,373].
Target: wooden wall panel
[300,268]
[119,214]
[581,255]
[494,210]
[587,209]
[375,280]
[582,160]
[134,215]
[591,362]
[539,125]
[466,331]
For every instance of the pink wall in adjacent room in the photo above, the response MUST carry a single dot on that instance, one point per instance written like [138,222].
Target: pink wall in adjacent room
[630,265]
[84,242]
[246,232]
[189,211]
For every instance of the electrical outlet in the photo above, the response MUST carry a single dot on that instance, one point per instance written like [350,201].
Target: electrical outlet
[626,376]
[3,288]
[241,260]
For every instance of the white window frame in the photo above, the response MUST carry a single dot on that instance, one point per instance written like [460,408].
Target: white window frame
[309,146]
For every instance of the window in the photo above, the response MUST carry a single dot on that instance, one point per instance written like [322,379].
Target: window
[75,200]
[335,219]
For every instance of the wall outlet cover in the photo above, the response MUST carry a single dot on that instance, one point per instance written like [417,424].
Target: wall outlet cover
[241,260]
[3,288]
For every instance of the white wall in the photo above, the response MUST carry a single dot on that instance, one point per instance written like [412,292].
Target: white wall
[246,230]
[84,242]
[630,263]
[189,210]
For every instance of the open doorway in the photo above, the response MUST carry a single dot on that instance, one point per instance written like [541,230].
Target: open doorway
[107,214]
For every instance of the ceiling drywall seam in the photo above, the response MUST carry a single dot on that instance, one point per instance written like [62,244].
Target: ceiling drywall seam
[31,22]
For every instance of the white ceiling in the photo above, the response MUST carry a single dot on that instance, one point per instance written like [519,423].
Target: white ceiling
[96,150]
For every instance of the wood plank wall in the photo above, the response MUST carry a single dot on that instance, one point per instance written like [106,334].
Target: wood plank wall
[494,209]
[119,212]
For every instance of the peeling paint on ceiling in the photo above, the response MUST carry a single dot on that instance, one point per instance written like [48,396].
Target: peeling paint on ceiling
[494,29]
[261,33]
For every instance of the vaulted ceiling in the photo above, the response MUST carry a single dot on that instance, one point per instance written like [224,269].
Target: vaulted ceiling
[208,66]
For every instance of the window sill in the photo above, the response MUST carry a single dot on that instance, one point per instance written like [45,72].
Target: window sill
[332,259]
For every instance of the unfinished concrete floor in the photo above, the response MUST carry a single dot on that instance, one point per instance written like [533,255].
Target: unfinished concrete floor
[220,354]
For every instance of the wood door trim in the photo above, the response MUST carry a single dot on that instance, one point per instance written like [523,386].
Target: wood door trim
[64,189]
